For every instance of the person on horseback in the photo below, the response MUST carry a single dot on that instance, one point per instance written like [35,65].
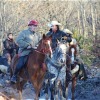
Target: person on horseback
[26,40]
[10,46]
[57,34]
[10,49]
[78,58]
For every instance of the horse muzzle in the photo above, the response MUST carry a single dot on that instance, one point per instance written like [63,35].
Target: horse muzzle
[62,60]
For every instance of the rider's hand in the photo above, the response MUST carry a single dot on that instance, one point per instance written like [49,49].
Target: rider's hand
[29,47]
[65,38]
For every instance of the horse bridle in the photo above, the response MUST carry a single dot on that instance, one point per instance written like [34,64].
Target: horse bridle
[44,50]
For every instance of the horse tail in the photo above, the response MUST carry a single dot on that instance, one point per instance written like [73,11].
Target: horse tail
[82,72]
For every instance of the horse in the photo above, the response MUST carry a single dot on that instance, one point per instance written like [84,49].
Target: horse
[35,67]
[55,83]
[75,68]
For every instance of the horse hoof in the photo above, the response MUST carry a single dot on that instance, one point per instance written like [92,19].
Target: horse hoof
[46,96]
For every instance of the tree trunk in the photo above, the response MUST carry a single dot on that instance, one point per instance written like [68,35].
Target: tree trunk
[84,22]
[93,20]
[79,23]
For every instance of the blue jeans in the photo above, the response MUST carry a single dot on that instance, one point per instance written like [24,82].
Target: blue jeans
[21,63]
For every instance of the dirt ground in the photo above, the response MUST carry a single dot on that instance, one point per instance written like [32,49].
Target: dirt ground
[85,90]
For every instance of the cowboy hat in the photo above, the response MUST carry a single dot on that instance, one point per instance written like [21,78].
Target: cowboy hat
[54,23]
[67,31]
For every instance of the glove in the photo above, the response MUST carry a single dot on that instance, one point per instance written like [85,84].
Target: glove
[64,37]
[29,47]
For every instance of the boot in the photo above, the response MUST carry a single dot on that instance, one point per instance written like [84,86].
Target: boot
[14,77]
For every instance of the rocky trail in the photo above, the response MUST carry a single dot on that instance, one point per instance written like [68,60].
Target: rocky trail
[85,90]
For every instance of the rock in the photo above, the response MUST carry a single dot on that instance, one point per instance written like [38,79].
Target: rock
[88,90]
[1,85]
[7,81]
[2,98]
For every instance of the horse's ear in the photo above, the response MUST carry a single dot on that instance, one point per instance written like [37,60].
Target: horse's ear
[44,36]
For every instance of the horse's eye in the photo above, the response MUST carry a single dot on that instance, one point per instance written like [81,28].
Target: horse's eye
[62,38]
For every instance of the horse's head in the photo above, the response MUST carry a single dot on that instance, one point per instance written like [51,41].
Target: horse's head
[60,52]
[45,45]
[73,52]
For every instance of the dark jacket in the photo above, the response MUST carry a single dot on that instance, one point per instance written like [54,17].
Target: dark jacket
[57,36]
[9,46]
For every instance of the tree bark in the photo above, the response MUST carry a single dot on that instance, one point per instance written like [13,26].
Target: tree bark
[93,20]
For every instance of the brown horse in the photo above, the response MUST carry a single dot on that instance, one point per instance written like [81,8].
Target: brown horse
[75,67]
[35,68]
[75,71]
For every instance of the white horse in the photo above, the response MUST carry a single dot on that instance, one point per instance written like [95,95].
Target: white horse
[57,72]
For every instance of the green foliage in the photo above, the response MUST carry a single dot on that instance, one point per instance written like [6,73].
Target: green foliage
[87,59]
[79,38]
[86,44]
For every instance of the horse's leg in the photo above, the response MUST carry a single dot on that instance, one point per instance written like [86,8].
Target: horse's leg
[19,88]
[36,97]
[73,87]
[11,72]
[63,90]
[56,90]
[37,91]
[60,90]
[66,91]
[46,89]
[52,91]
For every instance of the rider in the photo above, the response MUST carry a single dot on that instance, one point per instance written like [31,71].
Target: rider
[10,49]
[73,40]
[26,40]
[57,34]
[10,46]
[78,58]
